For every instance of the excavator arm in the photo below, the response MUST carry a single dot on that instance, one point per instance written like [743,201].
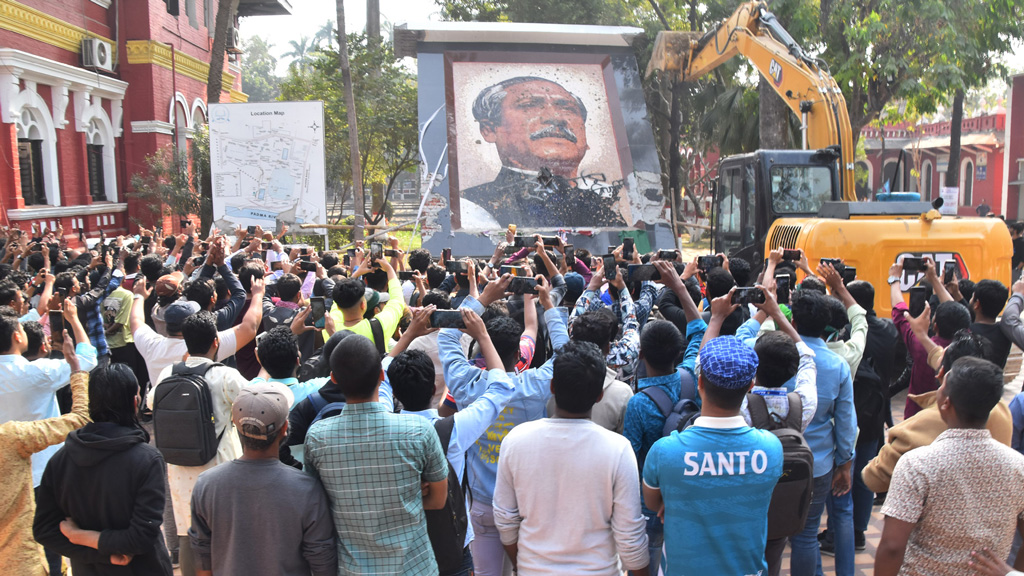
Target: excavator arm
[804,85]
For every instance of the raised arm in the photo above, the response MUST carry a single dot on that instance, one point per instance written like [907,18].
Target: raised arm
[246,331]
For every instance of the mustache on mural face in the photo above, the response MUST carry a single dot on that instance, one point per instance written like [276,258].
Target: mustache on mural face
[554,132]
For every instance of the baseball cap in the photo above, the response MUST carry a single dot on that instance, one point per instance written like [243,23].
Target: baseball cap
[168,284]
[728,363]
[260,410]
[374,298]
[176,312]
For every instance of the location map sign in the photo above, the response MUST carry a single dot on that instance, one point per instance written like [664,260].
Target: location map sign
[267,164]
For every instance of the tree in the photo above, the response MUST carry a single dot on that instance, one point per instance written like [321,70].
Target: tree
[259,80]
[353,127]
[386,109]
[301,52]
[327,33]
[172,179]
[610,12]
[214,86]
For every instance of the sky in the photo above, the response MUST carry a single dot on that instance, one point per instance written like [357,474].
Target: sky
[308,16]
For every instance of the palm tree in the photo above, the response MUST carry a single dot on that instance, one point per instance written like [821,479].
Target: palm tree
[353,129]
[300,53]
[326,34]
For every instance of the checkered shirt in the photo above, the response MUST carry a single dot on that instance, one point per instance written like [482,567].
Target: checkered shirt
[371,464]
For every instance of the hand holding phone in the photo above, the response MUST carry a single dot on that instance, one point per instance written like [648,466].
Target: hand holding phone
[376,252]
[523,286]
[447,319]
[627,249]
[610,268]
[750,295]
[318,310]
[918,298]
[913,264]
[949,271]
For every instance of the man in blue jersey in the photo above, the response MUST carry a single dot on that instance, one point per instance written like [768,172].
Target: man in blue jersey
[713,482]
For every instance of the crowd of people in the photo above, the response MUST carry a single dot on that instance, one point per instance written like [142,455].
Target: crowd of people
[242,405]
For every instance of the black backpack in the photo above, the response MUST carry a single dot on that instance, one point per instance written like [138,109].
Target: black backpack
[678,416]
[447,527]
[183,423]
[870,400]
[791,499]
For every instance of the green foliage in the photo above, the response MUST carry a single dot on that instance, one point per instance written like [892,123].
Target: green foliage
[259,80]
[608,12]
[385,95]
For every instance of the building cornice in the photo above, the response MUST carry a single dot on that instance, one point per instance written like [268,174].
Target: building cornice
[63,211]
[238,95]
[26,66]
[38,25]
[160,54]
[152,127]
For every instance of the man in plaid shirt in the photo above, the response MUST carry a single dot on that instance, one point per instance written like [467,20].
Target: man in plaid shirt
[372,464]
[90,303]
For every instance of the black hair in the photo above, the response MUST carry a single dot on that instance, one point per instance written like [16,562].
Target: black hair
[348,292]
[355,366]
[974,386]
[288,286]
[411,374]
[538,262]
[505,334]
[131,262]
[813,283]
[328,260]
[740,270]
[693,289]
[837,312]
[436,276]
[169,242]
[420,260]
[967,288]
[249,271]
[237,261]
[598,327]
[152,267]
[964,343]
[719,283]
[863,293]
[951,317]
[810,312]
[35,261]
[991,295]
[255,444]
[577,377]
[8,327]
[377,279]
[220,288]
[777,359]
[64,280]
[661,343]
[724,398]
[202,291]
[113,389]
[199,331]
[278,352]
[36,336]
[495,309]
[337,270]
[8,292]
[439,299]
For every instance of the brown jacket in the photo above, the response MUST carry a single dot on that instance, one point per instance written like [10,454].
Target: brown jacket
[920,430]
[19,552]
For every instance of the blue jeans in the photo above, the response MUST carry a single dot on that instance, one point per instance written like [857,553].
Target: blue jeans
[805,558]
[840,525]
[863,498]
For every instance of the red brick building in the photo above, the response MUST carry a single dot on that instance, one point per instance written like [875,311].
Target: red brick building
[991,159]
[88,89]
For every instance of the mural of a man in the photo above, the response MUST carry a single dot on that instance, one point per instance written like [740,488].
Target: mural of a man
[539,130]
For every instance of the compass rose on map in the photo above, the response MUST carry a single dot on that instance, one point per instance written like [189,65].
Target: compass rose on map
[314,126]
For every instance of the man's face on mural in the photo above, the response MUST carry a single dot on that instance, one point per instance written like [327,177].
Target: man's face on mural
[542,126]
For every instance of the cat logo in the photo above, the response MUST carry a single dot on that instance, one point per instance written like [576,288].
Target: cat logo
[775,71]
[910,279]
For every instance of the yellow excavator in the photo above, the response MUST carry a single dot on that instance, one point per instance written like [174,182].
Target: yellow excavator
[806,198]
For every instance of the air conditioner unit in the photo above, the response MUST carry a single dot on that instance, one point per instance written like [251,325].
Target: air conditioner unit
[234,41]
[97,55]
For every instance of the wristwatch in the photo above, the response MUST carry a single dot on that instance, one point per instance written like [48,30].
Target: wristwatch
[893,279]
[490,265]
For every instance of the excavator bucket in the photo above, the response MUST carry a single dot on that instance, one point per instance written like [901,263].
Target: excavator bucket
[672,51]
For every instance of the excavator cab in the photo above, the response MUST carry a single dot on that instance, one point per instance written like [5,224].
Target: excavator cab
[753,190]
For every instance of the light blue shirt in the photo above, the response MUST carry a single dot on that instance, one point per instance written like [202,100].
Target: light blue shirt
[299,389]
[470,422]
[467,383]
[833,430]
[32,316]
[27,392]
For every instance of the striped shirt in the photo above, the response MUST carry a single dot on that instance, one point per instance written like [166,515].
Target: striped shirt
[371,463]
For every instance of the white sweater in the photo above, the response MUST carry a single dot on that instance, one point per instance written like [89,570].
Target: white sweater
[568,492]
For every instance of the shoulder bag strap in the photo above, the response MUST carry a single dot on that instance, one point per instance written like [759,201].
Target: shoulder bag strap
[758,408]
[660,399]
[378,336]
[795,418]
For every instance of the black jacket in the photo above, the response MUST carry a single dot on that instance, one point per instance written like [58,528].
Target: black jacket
[106,478]
[300,418]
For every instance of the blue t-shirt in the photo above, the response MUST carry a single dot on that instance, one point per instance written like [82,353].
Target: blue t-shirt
[716,483]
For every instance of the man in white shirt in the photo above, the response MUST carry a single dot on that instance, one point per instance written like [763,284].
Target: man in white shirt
[202,342]
[570,463]
[162,351]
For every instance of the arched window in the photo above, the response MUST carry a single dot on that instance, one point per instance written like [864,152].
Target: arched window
[887,171]
[926,181]
[37,150]
[967,183]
